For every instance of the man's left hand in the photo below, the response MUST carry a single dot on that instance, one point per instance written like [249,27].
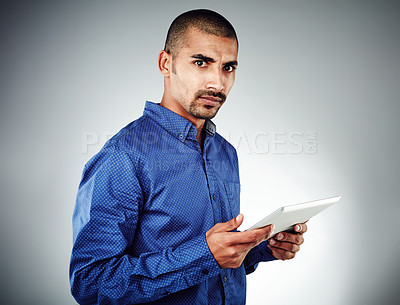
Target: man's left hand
[285,245]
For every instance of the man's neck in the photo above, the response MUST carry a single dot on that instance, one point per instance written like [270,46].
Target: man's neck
[178,109]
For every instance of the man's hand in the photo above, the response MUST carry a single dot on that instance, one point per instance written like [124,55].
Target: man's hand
[285,245]
[230,248]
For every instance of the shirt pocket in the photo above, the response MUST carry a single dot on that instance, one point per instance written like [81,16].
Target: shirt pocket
[232,190]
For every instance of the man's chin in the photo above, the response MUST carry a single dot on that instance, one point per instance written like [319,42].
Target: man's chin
[204,112]
[206,115]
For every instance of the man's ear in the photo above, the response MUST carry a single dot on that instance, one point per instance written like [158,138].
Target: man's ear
[165,63]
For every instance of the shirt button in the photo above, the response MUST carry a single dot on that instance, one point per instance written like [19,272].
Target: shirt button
[181,136]
[214,197]
[225,279]
[204,271]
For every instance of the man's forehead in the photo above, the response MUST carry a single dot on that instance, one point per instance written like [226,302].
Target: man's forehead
[194,35]
[198,42]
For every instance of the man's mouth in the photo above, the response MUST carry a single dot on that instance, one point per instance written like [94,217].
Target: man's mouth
[211,100]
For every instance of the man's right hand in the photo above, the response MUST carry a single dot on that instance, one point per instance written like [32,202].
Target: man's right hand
[230,248]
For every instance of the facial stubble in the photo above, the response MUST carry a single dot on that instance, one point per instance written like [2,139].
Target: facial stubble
[196,106]
[200,111]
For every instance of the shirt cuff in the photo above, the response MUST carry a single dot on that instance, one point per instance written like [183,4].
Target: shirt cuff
[258,254]
[202,263]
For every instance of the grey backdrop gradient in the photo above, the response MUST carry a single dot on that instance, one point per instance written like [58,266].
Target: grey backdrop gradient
[70,69]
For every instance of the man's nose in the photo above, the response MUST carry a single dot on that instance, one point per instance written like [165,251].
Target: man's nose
[215,80]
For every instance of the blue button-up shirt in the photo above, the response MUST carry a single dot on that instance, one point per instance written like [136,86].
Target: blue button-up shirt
[143,207]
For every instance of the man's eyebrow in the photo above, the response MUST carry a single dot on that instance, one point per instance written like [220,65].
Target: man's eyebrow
[209,59]
[231,63]
[202,57]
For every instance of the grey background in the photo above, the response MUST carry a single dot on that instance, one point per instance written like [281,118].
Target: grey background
[73,68]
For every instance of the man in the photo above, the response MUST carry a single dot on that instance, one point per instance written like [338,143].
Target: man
[158,207]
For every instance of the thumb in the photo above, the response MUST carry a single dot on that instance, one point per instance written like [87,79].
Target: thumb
[232,224]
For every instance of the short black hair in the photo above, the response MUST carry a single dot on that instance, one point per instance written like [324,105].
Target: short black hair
[206,21]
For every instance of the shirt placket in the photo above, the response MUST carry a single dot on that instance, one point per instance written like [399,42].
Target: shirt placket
[215,197]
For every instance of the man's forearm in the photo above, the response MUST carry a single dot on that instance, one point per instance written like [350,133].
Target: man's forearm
[141,279]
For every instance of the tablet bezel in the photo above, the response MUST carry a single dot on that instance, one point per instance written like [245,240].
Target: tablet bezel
[286,217]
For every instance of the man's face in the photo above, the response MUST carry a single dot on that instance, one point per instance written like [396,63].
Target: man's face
[203,73]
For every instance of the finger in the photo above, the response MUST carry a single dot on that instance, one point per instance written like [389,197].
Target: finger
[282,254]
[239,249]
[296,238]
[251,237]
[300,227]
[230,225]
[266,232]
[283,246]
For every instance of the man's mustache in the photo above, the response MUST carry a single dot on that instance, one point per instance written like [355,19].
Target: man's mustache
[218,94]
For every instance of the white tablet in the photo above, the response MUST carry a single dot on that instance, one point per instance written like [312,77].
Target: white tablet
[286,217]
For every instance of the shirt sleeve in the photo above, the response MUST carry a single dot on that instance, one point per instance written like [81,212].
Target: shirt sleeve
[104,222]
[258,254]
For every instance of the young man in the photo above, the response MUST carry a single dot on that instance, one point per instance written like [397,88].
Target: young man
[158,206]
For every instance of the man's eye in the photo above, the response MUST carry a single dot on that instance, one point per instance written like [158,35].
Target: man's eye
[229,68]
[200,63]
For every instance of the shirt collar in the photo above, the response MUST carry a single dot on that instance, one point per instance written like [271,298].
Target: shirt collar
[178,126]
